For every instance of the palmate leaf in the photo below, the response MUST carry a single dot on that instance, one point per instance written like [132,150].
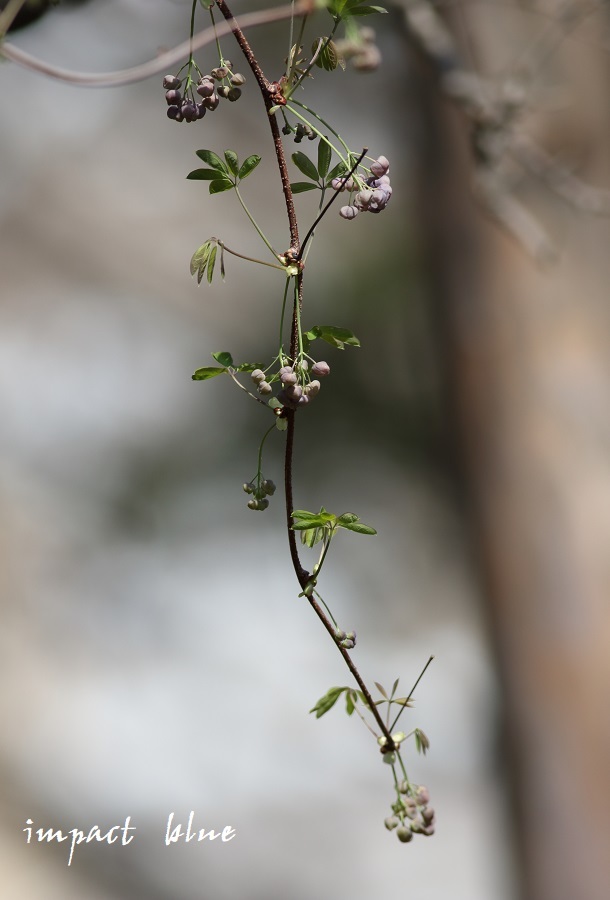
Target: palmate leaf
[201,259]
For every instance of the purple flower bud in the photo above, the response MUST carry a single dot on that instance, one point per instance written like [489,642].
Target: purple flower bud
[312,389]
[238,79]
[383,179]
[234,94]
[269,486]
[404,835]
[173,97]
[189,111]
[219,73]
[380,167]
[257,376]
[362,199]
[174,112]
[285,369]
[338,184]
[422,795]
[287,400]
[303,400]
[288,377]
[205,88]
[348,212]
[171,81]
[223,91]
[294,391]
[201,110]
[211,102]
[320,369]
[264,388]
[379,200]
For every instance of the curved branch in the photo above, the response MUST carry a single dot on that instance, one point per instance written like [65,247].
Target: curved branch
[160,64]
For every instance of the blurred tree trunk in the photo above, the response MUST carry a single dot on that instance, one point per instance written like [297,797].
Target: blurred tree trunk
[528,373]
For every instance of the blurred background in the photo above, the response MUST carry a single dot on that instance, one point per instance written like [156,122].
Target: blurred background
[154,655]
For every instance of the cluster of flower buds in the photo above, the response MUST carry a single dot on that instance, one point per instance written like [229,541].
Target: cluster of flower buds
[345,639]
[412,813]
[374,197]
[362,52]
[260,489]
[187,108]
[298,387]
[301,131]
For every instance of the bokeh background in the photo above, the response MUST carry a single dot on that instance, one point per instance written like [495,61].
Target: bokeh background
[154,655]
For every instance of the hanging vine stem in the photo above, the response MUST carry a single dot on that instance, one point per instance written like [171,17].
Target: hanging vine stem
[269,94]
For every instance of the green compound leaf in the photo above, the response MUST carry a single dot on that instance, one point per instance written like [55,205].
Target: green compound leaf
[299,187]
[305,165]
[207,372]
[328,701]
[202,175]
[232,162]
[223,357]
[213,160]
[221,184]
[336,337]
[248,165]
[324,157]
[327,58]
[202,259]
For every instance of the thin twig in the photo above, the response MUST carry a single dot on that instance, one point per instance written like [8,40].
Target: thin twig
[165,62]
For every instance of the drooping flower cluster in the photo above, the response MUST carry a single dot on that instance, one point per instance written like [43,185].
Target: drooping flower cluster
[373,197]
[261,488]
[412,814]
[220,83]
[298,387]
